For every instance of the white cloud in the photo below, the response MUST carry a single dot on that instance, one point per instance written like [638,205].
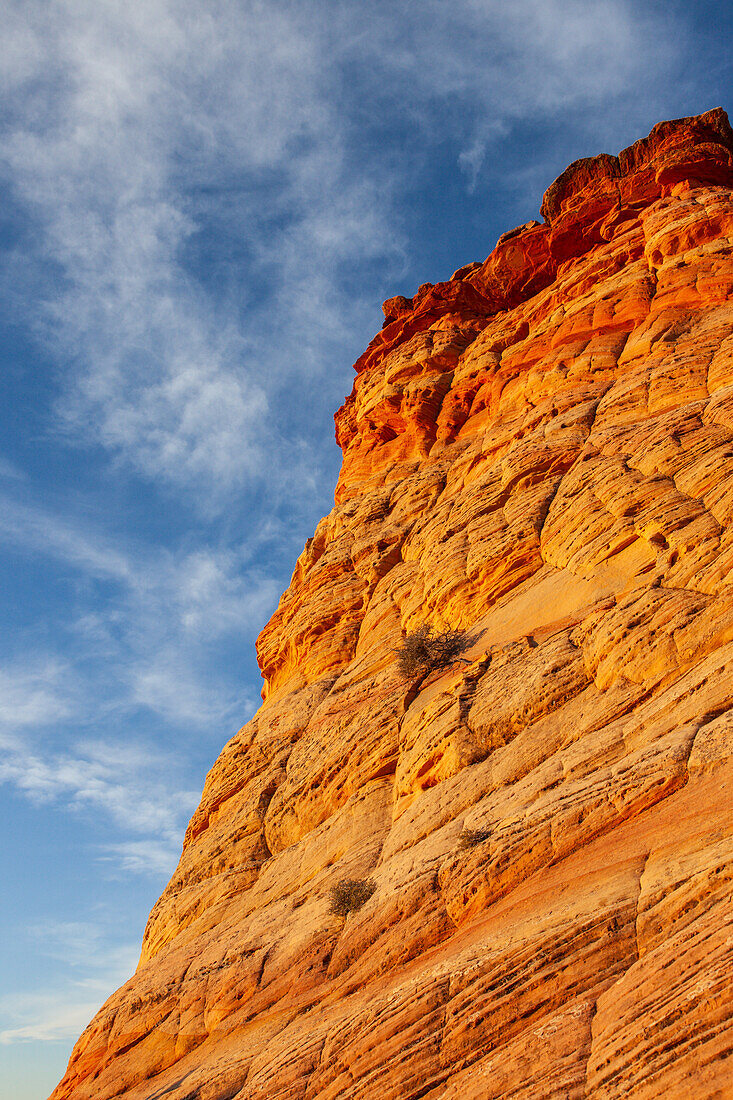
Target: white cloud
[496,64]
[205,592]
[166,683]
[151,634]
[140,132]
[143,857]
[72,941]
[131,784]
[125,115]
[144,645]
[50,1017]
[96,969]
[80,944]
[50,534]
[542,55]
[32,695]
[212,594]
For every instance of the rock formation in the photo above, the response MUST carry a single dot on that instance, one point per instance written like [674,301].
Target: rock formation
[538,452]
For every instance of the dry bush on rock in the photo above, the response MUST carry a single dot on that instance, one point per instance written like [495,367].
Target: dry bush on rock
[424,650]
[350,894]
[469,838]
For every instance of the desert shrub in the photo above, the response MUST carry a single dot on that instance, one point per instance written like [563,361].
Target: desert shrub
[469,838]
[424,650]
[350,894]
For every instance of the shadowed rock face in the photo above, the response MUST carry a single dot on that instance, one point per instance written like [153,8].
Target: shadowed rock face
[538,452]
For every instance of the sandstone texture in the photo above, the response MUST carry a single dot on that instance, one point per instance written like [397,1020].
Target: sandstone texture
[539,452]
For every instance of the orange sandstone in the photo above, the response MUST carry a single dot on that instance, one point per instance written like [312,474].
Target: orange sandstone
[538,451]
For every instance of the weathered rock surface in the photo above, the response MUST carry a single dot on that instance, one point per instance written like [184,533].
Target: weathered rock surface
[540,452]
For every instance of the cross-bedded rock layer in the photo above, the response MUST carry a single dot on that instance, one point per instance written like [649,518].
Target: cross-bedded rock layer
[539,452]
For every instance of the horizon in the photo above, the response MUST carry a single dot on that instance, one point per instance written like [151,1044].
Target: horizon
[206,206]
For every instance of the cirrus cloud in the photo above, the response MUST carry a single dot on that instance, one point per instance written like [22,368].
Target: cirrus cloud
[144,139]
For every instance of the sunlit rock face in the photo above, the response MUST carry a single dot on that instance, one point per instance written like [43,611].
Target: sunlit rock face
[539,452]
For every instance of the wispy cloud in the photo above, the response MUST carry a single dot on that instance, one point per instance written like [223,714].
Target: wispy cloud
[92,969]
[50,1017]
[140,646]
[130,784]
[151,632]
[135,124]
[146,138]
[43,532]
[489,67]
[141,857]
[32,694]
[79,944]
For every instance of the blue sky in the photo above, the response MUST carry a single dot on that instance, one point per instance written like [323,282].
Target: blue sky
[204,204]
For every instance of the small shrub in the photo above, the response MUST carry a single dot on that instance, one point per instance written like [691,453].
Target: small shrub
[424,650]
[469,838]
[350,894]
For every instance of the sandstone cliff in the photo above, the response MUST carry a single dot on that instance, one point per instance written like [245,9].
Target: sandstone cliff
[538,451]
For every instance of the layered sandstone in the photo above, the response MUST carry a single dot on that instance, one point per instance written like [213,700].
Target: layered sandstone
[538,451]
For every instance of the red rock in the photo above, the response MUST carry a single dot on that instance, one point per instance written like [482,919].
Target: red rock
[540,452]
